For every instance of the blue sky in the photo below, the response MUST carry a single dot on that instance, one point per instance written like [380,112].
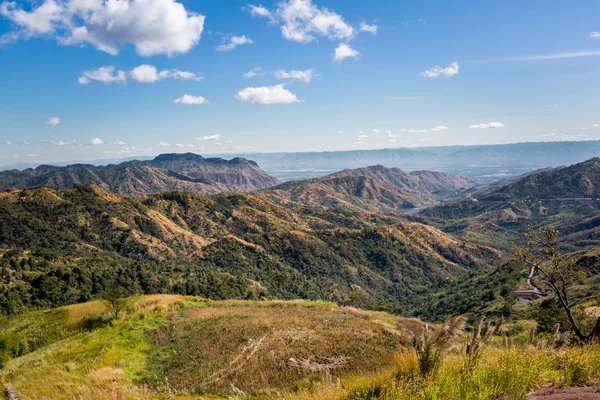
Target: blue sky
[420,73]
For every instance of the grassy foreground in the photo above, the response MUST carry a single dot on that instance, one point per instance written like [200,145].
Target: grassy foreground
[184,347]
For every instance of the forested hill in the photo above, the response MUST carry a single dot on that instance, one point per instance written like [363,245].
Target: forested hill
[63,246]
[374,188]
[166,172]
[567,198]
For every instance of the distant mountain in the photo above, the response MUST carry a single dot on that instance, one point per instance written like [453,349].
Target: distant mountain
[564,197]
[576,181]
[373,188]
[487,161]
[338,192]
[166,172]
[432,182]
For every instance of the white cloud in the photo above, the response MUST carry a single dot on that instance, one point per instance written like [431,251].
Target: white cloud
[105,74]
[149,74]
[260,11]
[301,21]
[595,35]
[209,138]
[363,136]
[96,142]
[151,26]
[63,143]
[491,125]
[417,131]
[189,99]
[231,42]
[438,71]
[376,131]
[595,126]
[295,74]
[552,105]
[439,128]
[52,121]
[267,95]
[364,27]
[25,143]
[164,144]
[391,135]
[344,51]
[8,142]
[426,139]
[554,56]
[254,72]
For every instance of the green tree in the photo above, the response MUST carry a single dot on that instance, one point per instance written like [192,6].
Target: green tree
[557,271]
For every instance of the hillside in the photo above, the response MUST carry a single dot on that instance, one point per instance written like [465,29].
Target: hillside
[62,246]
[565,197]
[165,172]
[431,182]
[340,192]
[374,188]
[177,347]
[576,181]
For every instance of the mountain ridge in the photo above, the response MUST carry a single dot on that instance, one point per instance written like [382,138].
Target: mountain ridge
[187,171]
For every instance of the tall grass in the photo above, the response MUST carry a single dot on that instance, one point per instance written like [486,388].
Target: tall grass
[509,373]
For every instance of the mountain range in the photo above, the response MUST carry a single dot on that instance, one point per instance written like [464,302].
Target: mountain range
[166,172]
[338,237]
[374,188]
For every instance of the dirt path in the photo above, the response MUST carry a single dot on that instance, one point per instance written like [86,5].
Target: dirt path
[576,393]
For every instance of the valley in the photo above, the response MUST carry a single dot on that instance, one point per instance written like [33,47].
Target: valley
[222,250]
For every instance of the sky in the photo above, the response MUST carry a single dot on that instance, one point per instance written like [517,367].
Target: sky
[99,79]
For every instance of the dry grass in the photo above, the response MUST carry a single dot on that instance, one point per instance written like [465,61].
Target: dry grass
[261,347]
[503,373]
[77,312]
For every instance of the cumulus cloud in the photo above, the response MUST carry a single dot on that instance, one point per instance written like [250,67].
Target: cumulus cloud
[391,135]
[149,74]
[260,11]
[267,95]
[595,35]
[52,121]
[254,72]
[491,125]
[426,139]
[438,71]
[106,74]
[209,138]
[96,142]
[8,142]
[119,143]
[295,74]
[439,128]
[151,26]
[344,51]
[595,126]
[301,21]
[376,131]
[417,130]
[364,27]
[164,144]
[189,99]
[231,42]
